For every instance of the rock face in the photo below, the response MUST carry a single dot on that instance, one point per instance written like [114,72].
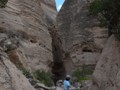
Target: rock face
[107,72]
[49,9]
[10,77]
[81,37]
[24,32]
[84,43]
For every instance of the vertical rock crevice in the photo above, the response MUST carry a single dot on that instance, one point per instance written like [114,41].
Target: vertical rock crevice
[58,68]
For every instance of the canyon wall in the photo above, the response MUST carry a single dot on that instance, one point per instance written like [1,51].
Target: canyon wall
[29,39]
[107,72]
[10,77]
[85,43]
[82,38]
[24,32]
[25,41]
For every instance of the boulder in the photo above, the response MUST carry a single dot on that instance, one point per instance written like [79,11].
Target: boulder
[107,72]
[10,77]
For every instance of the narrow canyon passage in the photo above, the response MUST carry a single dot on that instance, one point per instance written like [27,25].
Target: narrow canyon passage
[39,46]
[58,68]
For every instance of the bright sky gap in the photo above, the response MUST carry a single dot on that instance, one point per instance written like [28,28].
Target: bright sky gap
[59,4]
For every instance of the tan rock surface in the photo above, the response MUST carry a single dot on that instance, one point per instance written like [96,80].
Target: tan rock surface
[81,37]
[10,77]
[26,22]
[107,72]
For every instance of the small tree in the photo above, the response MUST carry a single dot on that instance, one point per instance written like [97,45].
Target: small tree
[3,3]
[108,10]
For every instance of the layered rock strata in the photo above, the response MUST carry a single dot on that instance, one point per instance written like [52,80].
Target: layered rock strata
[25,36]
[107,73]
[82,38]
[10,77]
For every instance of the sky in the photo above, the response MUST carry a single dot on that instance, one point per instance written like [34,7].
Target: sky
[59,4]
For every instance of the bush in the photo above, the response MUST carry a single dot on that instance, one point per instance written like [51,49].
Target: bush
[43,77]
[117,31]
[24,71]
[37,76]
[82,74]
[109,13]
[3,3]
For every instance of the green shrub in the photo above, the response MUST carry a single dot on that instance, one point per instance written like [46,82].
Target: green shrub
[3,3]
[82,74]
[109,14]
[117,31]
[43,77]
[24,71]
[76,75]
[38,76]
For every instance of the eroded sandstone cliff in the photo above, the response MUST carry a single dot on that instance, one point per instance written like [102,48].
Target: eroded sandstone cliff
[25,41]
[29,39]
[10,77]
[82,38]
[24,31]
[107,72]
[84,42]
